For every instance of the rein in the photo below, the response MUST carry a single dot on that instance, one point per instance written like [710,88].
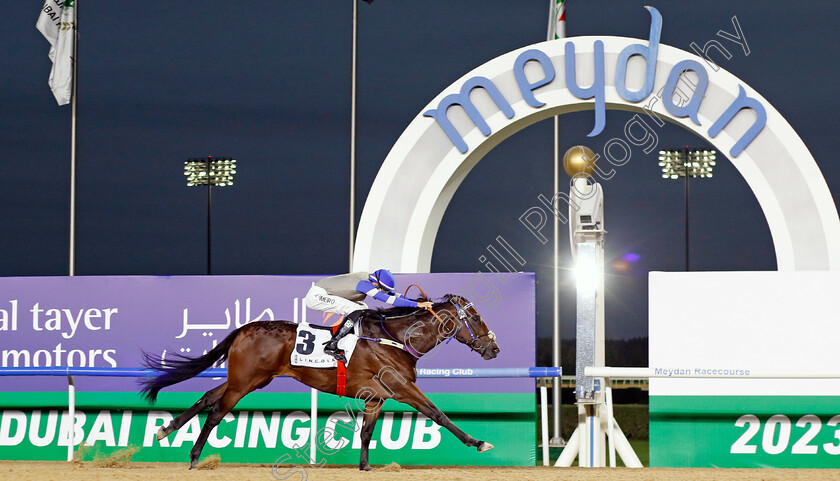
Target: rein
[392,343]
[465,318]
[462,315]
[422,294]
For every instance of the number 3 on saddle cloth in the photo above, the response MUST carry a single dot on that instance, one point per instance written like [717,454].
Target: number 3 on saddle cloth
[309,350]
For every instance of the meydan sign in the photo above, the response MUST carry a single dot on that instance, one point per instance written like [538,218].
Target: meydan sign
[597,90]
[661,83]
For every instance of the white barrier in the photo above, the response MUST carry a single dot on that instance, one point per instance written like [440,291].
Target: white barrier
[712,373]
[504,372]
[610,373]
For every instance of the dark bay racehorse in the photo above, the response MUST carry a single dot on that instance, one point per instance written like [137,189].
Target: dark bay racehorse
[258,352]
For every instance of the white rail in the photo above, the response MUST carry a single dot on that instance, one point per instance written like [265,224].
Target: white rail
[693,372]
[707,373]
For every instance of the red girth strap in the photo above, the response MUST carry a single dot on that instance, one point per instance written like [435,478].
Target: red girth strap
[341,379]
[341,372]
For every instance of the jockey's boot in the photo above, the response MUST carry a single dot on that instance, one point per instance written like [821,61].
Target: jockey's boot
[331,346]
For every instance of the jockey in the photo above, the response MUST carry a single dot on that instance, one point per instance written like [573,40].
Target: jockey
[343,294]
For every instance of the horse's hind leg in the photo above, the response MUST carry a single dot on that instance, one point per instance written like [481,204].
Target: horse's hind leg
[220,408]
[209,399]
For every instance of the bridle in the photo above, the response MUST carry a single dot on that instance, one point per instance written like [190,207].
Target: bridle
[463,316]
[465,319]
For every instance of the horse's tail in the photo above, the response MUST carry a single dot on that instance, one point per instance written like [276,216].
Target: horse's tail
[173,371]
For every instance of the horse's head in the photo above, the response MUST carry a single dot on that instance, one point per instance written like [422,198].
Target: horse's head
[471,329]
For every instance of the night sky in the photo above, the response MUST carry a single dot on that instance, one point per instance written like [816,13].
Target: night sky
[268,82]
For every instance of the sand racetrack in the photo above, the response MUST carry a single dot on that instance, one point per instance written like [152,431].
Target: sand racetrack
[38,470]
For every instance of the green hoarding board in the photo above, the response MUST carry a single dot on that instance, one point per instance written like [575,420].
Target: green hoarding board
[745,431]
[269,427]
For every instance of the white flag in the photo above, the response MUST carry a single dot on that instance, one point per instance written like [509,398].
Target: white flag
[57,23]
[557,20]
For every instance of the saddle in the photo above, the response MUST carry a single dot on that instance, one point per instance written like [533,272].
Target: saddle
[309,346]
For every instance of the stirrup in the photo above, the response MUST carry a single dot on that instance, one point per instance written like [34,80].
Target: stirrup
[338,355]
[331,350]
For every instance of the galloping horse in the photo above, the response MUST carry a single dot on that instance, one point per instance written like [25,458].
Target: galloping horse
[391,343]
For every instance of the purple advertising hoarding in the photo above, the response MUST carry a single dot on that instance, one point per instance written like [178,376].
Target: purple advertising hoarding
[108,321]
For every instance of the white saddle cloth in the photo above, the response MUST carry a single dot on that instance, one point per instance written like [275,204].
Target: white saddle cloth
[309,346]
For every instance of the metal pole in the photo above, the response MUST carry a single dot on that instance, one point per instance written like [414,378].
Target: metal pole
[313,426]
[353,138]
[610,420]
[544,421]
[557,439]
[72,247]
[556,31]
[209,201]
[71,413]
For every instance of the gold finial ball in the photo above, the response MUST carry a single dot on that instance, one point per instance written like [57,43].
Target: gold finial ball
[579,159]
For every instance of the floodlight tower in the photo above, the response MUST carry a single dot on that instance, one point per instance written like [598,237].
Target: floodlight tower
[688,163]
[212,171]
[586,229]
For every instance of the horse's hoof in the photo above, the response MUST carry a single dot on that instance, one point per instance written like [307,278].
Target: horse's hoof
[365,468]
[485,446]
[161,434]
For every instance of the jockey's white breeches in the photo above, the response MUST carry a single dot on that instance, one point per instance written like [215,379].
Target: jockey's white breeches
[318,299]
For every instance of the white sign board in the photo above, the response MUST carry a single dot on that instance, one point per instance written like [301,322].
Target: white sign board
[742,321]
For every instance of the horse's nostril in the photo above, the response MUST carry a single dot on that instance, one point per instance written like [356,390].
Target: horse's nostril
[496,350]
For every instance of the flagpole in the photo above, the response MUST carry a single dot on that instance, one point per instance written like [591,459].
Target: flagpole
[57,24]
[72,269]
[556,31]
[353,138]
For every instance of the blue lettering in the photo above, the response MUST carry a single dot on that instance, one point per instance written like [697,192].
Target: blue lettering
[463,99]
[741,102]
[595,90]
[677,102]
[526,87]
[649,53]
[690,109]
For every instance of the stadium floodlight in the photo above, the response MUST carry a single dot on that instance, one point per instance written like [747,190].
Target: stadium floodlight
[212,172]
[687,163]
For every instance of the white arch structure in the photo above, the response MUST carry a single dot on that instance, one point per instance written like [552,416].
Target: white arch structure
[424,168]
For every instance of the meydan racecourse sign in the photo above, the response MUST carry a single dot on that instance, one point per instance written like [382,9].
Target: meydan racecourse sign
[661,83]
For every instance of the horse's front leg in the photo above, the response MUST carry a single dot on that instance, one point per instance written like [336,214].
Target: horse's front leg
[372,411]
[410,394]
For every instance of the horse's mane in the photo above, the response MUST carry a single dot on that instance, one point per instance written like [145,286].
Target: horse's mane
[407,311]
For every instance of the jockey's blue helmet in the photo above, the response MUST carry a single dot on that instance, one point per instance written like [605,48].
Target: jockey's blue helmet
[384,279]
